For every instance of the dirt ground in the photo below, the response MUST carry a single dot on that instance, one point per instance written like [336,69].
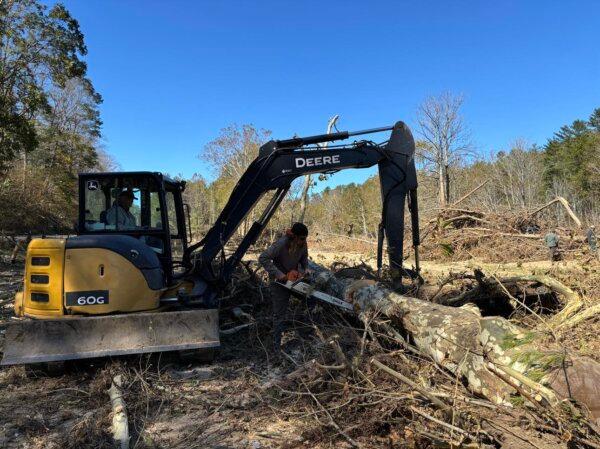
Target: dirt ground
[230,402]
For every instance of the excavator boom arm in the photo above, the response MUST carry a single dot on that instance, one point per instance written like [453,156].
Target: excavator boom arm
[280,162]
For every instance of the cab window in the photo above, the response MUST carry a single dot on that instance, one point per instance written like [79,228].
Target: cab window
[177,243]
[172,214]
[122,204]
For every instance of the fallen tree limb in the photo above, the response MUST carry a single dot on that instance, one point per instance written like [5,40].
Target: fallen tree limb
[332,422]
[565,204]
[120,427]
[507,234]
[468,194]
[585,314]
[235,329]
[572,300]
[434,400]
[443,423]
[449,221]
[547,394]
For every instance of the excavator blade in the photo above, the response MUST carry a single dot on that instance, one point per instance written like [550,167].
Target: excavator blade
[72,338]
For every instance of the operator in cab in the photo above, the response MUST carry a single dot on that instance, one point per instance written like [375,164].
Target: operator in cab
[118,215]
[286,259]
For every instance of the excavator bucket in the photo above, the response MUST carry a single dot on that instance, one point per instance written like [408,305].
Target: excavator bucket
[72,338]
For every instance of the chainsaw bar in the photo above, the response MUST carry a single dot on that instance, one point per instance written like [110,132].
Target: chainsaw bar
[304,289]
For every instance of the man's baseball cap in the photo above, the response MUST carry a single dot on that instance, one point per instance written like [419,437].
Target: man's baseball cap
[128,193]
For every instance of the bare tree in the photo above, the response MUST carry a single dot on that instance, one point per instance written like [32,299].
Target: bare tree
[446,139]
[229,155]
[106,161]
[234,149]
[518,176]
[308,178]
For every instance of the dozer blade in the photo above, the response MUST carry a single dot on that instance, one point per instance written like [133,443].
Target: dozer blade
[35,341]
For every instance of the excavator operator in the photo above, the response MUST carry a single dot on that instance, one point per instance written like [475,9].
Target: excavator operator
[119,215]
[285,260]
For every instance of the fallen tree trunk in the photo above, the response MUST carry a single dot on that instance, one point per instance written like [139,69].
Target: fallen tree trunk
[495,358]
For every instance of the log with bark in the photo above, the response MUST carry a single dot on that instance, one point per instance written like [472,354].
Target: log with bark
[494,357]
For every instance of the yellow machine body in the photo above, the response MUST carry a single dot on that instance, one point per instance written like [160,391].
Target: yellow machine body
[95,269]
[42,294]
[113,289]
[88,302]
[53,272]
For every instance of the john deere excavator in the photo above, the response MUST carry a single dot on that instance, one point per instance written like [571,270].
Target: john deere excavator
[127,285]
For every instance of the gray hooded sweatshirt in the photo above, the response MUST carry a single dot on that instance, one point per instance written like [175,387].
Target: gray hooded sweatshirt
[278,261]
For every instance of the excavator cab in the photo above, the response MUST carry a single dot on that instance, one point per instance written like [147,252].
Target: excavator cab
[115,287]
[147,206]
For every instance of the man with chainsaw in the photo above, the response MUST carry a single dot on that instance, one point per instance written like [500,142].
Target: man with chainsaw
[285,260]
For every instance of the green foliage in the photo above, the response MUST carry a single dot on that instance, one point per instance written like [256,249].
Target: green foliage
[511,341]
[17,135]
[539,364]
[49,118]
[446,248]
[40,52]
[571,158]
[517,401]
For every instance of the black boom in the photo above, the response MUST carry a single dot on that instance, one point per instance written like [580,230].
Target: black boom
[281,161]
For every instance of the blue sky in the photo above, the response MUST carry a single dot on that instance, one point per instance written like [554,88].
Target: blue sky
[173,73]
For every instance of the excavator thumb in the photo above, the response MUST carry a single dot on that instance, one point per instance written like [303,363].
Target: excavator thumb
[36,341]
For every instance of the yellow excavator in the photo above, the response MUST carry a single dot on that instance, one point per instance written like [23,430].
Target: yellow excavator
[129,282]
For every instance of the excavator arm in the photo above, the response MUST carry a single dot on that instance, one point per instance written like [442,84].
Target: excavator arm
[279,163]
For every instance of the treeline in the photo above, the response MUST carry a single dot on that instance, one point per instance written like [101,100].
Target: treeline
[516,179]
[519,178]
[50,129]
[50,125]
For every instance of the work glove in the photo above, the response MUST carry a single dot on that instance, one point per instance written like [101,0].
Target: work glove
[293,275]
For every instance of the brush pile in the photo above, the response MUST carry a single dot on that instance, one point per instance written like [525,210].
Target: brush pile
[415,374]
[498,236]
